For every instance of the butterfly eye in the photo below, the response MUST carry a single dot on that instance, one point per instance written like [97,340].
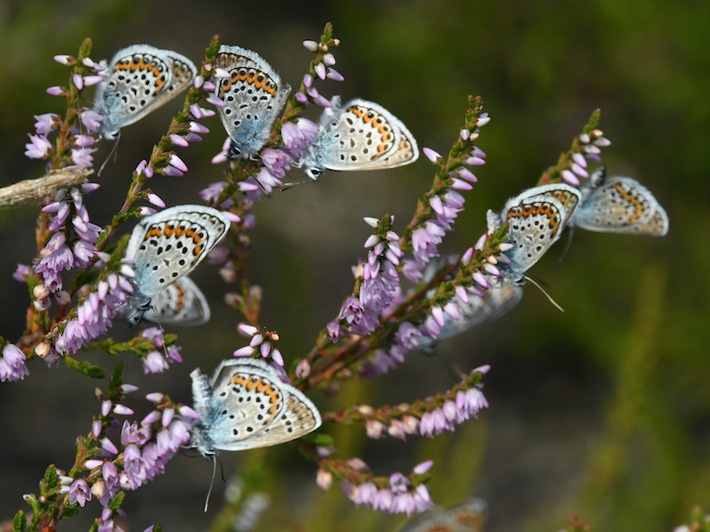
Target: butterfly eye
[314,173]
[234,152]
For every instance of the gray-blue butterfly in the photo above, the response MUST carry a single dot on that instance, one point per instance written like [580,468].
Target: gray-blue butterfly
[359,135]
[246,406]
[619,205]
[166,246]
[253,96]
[536,219]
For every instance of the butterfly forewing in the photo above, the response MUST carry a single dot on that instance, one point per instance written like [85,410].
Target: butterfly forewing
[140,79]
[363,135]
[246,401]
[169,244]
[253,95]
[536,219]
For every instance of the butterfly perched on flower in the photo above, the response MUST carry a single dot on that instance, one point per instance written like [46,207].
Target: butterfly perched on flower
[163,248]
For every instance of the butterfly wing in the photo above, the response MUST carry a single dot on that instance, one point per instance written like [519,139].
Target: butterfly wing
[363,135]
[252,407]
[140,79]
[499,301]
[656,226]
[180,303]
[536,219]
[621,205]
[167,245]
[253,95]
[467,517]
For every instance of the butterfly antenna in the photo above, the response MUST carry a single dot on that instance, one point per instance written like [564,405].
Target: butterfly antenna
[294,184]
[454,369]
[549,297]
[214,474]
[113,153]
[568,243]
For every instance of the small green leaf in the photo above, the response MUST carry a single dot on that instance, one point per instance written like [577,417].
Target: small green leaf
[115,504]
[322,440]
[85,368]
[50,481]
[19,522]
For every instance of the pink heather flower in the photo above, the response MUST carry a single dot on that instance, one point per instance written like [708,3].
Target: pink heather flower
[12,364]
[176,162]
[79,492]
[94,315]
[56,258]
[155,200]
[90,81]
[324,479]
[171,171]
[276,161]
[154,362]
[64,59]
[21,272]
[38,148]
[569,177]
[91,120]
[298,135]
[178,140]
[211,193]
[45,123]
[82,157]
[303,369]
[432,155]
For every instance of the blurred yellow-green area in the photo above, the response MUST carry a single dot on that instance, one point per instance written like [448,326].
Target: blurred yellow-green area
[602,411]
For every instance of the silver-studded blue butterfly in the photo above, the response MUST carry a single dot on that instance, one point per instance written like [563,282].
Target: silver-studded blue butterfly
[166,246]
[253,96]
[246,405]
[619,205]
[359,135]
[536,219]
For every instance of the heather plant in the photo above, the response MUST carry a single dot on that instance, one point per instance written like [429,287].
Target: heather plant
[403,299]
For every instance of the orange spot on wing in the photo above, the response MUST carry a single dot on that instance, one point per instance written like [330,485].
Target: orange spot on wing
[638,205]
[262,387]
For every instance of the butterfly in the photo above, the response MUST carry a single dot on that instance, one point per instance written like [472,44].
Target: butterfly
[180,303]
[138,80]
[359,135]
[500,299]
[246,405]
[536,219]
[619,205]
[253,95]
[166,246]
[467,517]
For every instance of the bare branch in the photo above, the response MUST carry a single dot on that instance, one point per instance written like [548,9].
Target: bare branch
[34,190]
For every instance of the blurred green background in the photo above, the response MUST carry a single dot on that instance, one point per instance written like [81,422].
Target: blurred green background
[603,410]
